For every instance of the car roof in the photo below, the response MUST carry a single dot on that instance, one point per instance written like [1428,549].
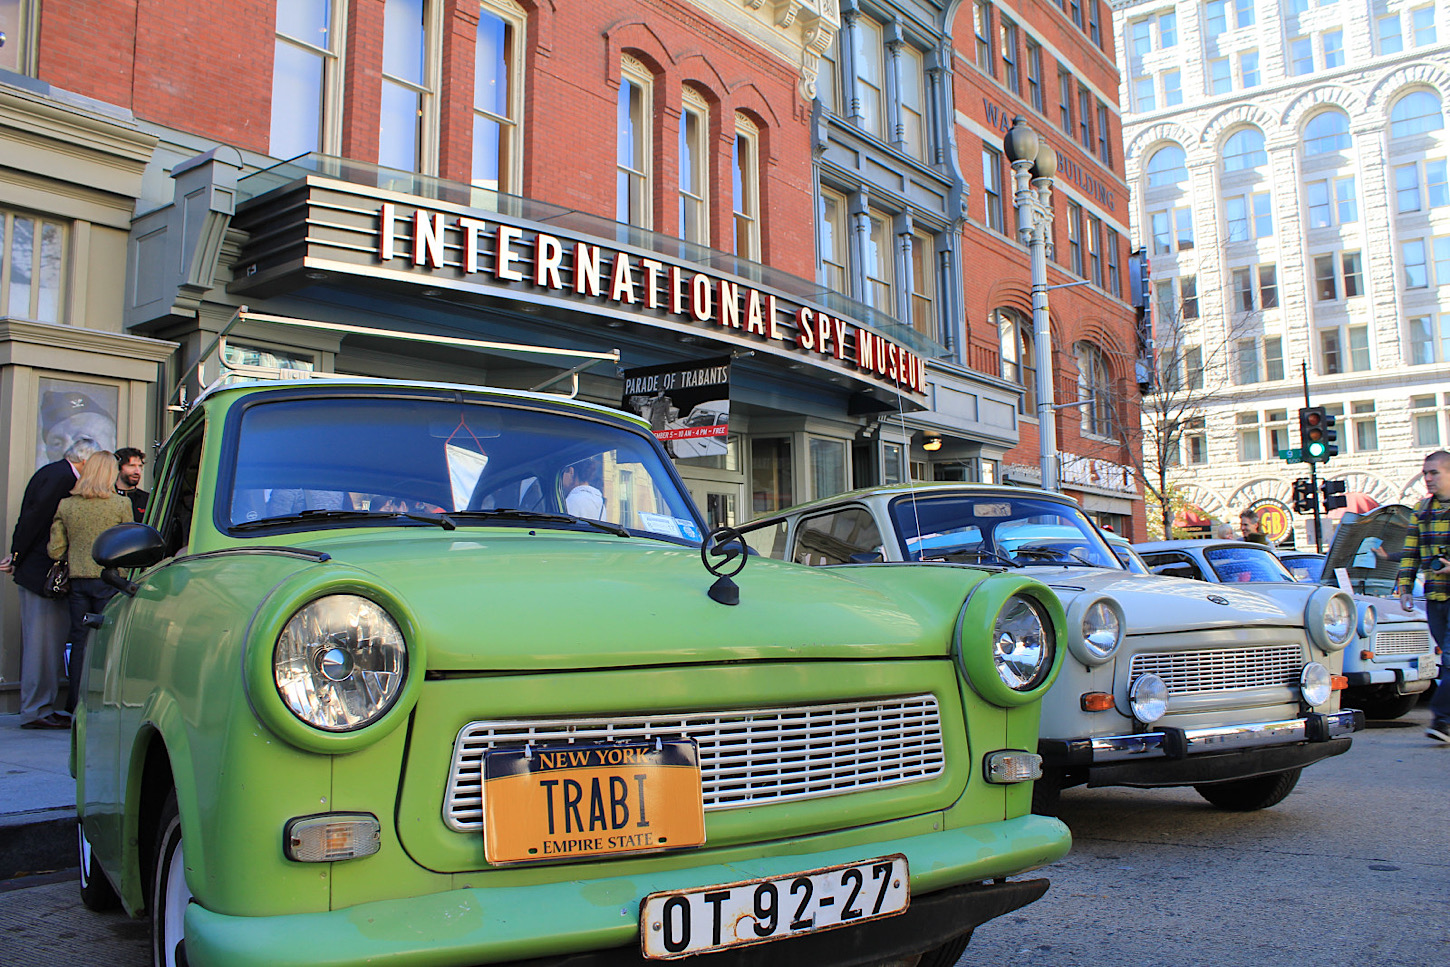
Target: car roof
[1147,547]
[924,489]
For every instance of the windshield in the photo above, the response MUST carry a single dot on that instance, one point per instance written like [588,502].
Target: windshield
[359,458]
[1306,567]
[980,528]
[1251,563]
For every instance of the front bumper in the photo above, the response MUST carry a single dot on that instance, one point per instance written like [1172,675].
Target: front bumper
[1168,757]
[554,920]
[1410,681]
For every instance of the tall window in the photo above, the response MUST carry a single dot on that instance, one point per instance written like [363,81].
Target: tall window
[408,122]
[1220,76]
[992,189]
[1248,361]
[1412,256]
[1331,362]
[1019,362]
[1416,113]
[304,75]
[1366,433]
[1094,383]
[923,285]
[1391,40]
[1301,56]
[870,76]
[1188,296]
[1105,150]
[1064,101]
[1251,442]
[880,281]
[835,242]
[32,267]
[632,159]
[498,96]
[1249,68]
[1085,117]
[982,28]
[1115,285]
[1422,21]
[1074,238]
[910,102]
[1094,248]
[1010,76]
[1034,74]
[1269,290]
[745,188]
[694,167]
[1274,360]
[1333,48]
[1425,420]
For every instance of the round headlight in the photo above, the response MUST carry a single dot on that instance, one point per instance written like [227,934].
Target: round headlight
[1339,621]
[1021,651]
[1369,618]
[1314,683]
[1095,629]
[340,663]
[1148,698]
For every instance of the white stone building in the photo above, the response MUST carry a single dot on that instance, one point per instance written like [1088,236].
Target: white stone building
[1288,164]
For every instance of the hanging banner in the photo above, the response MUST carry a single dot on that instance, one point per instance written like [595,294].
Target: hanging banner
[687,404]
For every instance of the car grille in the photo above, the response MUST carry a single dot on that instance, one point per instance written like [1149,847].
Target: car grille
[1191,672]
[1402,642]
[747,757]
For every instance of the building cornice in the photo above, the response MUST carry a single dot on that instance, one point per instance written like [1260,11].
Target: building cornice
[799,31]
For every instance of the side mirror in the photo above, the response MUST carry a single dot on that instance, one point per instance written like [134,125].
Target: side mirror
[128,545]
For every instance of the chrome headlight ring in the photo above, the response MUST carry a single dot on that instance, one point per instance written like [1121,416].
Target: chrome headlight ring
[1009,639]
[1148,698]
[1022,649]
[1315,684]
[1369,619]
[340,662]
[1095,628]
[1330,620]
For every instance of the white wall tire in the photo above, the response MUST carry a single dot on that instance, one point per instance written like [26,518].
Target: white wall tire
[96,891]
[170,895]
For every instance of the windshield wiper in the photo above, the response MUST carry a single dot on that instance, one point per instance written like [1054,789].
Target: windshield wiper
[540,517]
[322,513]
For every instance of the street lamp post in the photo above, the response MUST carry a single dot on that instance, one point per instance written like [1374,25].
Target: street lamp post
[1034,164]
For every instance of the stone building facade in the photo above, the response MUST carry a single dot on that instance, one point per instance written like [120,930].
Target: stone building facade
[1288,166]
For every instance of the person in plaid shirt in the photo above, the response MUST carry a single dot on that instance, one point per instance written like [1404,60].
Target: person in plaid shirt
[1427,548]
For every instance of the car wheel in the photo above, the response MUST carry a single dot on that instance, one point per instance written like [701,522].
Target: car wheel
[169,894]
[96,891]
[1047,793]
[1385,705]
[947,954]
[1246,795]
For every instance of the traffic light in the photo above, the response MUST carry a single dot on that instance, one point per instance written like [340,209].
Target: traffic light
[1333,491]
[1304,495]
[1317,434]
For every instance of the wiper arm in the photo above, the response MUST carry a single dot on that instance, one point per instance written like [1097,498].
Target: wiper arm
[322,513]
[541,517]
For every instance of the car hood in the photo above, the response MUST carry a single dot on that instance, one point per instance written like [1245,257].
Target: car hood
[495,599]
[1153,604]
[1354,544]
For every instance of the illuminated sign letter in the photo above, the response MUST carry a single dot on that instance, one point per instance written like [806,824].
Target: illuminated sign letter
[586,268]
[754,322]
[428,239]
[702,298]
[865,350]
[386,214]
[472,228]
[505,256]
[621,287]
[729,304]
[652,269]
[805,329]
[548,256]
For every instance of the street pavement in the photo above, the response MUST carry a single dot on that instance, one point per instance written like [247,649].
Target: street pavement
[37,800]
[1353,868]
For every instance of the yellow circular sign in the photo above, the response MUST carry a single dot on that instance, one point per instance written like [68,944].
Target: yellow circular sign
[1274,518]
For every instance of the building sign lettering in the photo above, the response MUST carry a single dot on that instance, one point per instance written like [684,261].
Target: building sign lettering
[520,257]
[1001,119]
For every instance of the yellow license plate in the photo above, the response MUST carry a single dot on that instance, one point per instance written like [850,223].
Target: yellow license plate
[566,802]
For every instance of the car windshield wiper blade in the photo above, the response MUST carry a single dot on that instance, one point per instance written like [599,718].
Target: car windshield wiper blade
[303,516]
[541,517]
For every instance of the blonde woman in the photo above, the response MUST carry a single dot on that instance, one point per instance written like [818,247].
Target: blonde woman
[92,507]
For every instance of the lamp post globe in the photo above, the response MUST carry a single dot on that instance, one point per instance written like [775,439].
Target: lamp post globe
[1021,142]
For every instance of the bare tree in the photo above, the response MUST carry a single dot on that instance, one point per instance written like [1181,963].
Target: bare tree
[1165,410]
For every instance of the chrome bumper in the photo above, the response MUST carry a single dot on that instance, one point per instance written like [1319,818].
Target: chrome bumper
[1177,743]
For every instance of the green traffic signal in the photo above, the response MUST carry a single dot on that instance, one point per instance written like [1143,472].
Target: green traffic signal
[1317,434]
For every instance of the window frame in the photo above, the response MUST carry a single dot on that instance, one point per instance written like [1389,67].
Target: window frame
[745,188]
[427,124]
[511,124]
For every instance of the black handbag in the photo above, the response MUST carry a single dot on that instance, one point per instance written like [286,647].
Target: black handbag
[57,579]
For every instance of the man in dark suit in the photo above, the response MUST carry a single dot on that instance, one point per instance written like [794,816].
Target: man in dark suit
[44,621]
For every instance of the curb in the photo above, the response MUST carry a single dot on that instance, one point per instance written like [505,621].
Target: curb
[40,841]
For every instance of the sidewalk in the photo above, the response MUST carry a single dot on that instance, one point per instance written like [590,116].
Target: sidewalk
[37,800]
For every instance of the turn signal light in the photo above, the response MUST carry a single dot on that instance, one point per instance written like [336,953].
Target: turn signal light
[1338,683]
[331,837]
[1366,656]
[1096,701]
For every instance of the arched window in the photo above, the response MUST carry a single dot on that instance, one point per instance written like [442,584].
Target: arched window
[1244,150]
[1416,113]
[1168,166]
[1094,384]
[1326,133]
[1019,361]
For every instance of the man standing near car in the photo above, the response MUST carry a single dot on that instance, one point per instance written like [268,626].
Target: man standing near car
[1427,548]
[128,480]
[1249,525]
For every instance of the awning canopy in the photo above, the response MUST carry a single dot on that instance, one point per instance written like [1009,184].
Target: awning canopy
[1356,502]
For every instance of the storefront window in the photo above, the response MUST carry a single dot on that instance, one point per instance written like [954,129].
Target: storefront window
[828,467]
[893,456]
[772,486]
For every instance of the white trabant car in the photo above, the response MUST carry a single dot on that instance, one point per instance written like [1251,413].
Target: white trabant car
[1168,683]
[1385,677]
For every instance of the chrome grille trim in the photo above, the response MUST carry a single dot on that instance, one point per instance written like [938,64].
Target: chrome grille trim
[1402,642]
[1221,670]
[748,757]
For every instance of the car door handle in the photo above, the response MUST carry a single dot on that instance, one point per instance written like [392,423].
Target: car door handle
[92,620]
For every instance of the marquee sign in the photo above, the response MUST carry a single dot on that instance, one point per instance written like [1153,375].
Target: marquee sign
[522,258]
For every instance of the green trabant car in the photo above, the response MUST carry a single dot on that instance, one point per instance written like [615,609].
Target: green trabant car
[411,673]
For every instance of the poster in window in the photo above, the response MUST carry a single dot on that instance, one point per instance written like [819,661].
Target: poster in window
[687,404]
[71,413]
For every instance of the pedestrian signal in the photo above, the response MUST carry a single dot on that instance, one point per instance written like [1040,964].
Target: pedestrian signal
[1304,497]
